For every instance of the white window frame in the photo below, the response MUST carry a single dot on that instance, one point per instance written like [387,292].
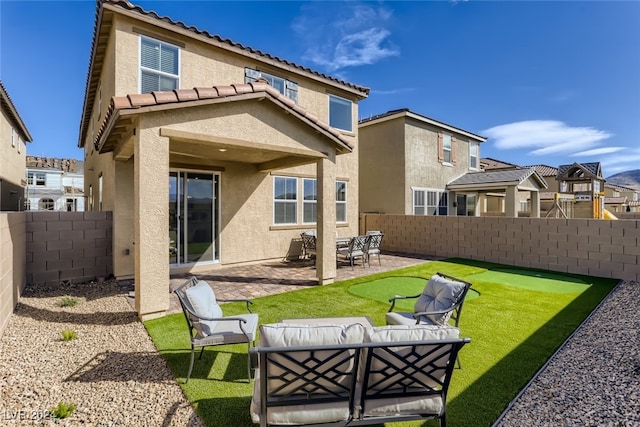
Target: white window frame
[46,204]
[418,201]
[342,202]
[311,203]
[293,202]
[30,178]
[434,202]
[100,193]
[40,179]
[142,68]
[447,151]
[13,137]
[343,101]
[474,146]
[288,89]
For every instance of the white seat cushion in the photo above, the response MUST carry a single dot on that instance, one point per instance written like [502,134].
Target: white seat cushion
[204,304]
[283,335]
[405,405]
[439,294]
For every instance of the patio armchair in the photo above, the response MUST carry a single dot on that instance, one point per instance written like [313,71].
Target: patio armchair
[357,248]
[206,323]
[440,301]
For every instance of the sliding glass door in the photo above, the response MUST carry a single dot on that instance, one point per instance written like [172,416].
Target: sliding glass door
[193,217]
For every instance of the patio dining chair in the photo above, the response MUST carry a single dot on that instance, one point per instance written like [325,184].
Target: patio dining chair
[356,249]
[375,241]
[308,244]
[206,323]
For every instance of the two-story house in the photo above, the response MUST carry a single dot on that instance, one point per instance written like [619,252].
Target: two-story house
[411,164]
[209,152]
[14,136]
[54,184]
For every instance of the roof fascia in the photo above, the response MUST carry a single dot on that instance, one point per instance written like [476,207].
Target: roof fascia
[13,114]
[130,112]
[424,119]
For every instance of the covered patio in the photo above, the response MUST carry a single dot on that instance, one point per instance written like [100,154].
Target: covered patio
[262,279]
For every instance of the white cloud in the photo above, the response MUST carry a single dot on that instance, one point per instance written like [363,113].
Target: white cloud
[361,38]
[599,151]
[545,137]
[392,91]
[629,160]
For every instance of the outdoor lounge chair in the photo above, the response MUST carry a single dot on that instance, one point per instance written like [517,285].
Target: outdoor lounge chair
[207,326]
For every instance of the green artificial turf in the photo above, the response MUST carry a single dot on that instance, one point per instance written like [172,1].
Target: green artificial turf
[513,331]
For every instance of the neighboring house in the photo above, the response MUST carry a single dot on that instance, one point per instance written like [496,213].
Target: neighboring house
[54,184]
[14,136]
[211,153]
[411,164]
[618,198]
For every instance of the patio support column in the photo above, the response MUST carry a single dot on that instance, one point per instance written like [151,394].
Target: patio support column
[535,204]
[511,202]
[326,219]
[151,218]
[481,204]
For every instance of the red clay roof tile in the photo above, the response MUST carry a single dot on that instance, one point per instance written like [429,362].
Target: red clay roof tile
[186,94]
[163,97]
[226,90]
[207,92]
[141,99]
[242,88]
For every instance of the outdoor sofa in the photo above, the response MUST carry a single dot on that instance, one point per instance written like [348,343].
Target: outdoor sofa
[344,375]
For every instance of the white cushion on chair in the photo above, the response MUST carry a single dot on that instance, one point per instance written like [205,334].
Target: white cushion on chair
[204,304]
[439,294]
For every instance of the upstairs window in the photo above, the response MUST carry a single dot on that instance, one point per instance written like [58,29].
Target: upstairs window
[159,65]
[474,149]
[284,86]
[446,148]
[30,178]
[340,116]
[41,179]
[13,137]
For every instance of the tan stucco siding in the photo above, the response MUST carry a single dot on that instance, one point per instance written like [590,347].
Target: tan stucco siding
[382,168]
[13,164]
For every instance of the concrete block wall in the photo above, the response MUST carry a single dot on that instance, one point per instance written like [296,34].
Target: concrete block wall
[68,246]
[12,263]
[583,246]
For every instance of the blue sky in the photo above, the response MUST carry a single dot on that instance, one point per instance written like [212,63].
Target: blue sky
[548,82]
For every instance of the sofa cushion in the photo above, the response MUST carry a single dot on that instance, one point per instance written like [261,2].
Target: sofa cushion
[293,369]
[204,304]
[439,294]
[384,378]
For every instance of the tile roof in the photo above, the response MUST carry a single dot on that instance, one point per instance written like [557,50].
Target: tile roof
[496,177]
[488,163]
[11,111]
[544,170]
[614,200]
[593,168]
[407,112]
[91,83]
[186,97]
[620,188]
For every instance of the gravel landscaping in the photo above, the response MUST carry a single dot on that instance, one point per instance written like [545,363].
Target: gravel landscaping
[594,380]
[111,372]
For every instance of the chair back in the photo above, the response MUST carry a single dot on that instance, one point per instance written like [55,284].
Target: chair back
[375,240]
[443,293]
[358,245]
[308,241]
[187,308]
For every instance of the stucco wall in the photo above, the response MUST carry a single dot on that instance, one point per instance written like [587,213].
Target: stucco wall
[582,246]
[12,263]
[73,246]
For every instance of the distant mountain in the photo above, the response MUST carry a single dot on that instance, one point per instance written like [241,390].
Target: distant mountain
[629,179]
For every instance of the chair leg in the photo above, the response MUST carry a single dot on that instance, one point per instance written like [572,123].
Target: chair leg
[190,364]
[201,351]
